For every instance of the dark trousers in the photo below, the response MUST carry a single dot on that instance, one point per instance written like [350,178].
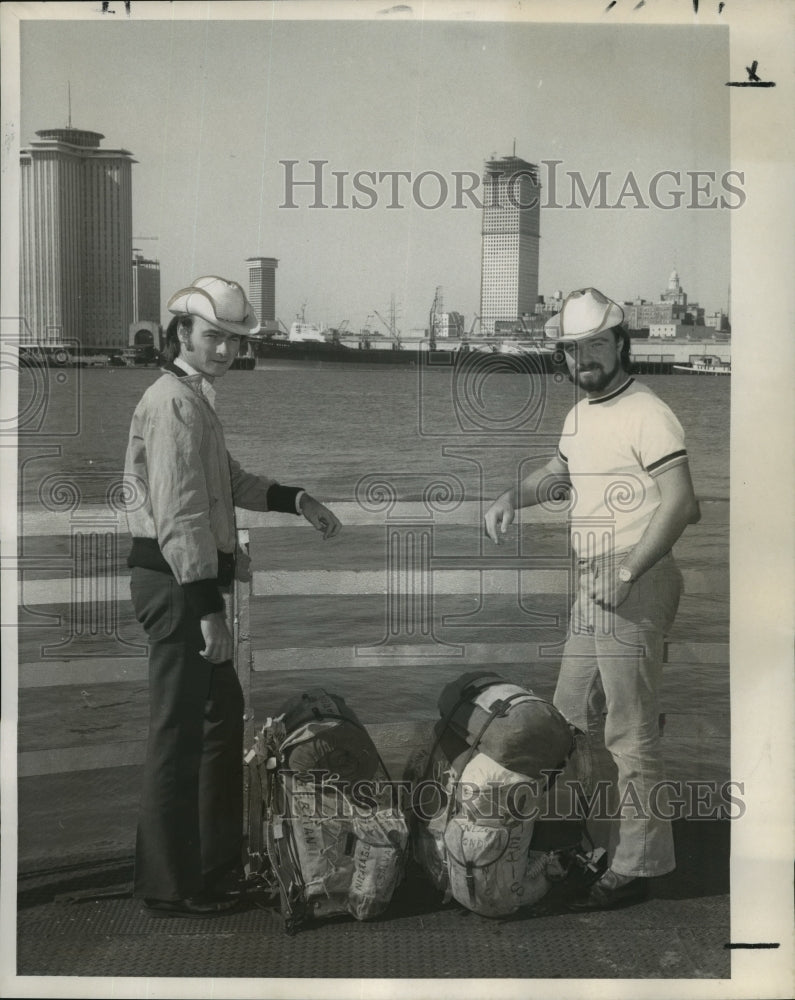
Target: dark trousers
[190,824]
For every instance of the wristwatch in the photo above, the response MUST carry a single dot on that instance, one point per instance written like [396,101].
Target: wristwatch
[625,574]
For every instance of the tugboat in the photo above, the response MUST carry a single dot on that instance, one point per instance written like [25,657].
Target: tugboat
[704,364]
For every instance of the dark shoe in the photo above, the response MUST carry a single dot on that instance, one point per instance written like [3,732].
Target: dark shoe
[611,892]
[199,907]
[230,885]
[579,867]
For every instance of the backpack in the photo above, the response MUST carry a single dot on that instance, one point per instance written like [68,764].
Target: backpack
[479,789]
[322,821]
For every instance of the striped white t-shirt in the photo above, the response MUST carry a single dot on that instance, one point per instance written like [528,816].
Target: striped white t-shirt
[614,448]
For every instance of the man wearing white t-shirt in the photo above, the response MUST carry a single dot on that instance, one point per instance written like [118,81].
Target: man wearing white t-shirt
[622,455]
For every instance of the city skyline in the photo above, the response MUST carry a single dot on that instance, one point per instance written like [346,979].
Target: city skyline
[77,223]
[376,150]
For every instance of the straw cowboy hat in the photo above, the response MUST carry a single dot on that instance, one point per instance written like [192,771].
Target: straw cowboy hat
[584,313]
[218,301]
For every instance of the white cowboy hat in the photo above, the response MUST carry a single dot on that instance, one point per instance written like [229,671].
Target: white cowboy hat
[584,313]
[218,301]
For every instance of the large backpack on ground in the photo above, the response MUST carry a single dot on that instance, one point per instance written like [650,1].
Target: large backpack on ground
[322,820]
[479,789]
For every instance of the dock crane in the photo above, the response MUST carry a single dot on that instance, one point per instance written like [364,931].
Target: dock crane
[393,333]
[433,321]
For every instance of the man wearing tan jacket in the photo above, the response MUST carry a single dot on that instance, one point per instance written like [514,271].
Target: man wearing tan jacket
[184,486]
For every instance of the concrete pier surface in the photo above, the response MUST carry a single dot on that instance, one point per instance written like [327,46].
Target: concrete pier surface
[319,615]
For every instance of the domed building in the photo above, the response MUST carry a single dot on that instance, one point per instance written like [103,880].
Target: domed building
[675,293]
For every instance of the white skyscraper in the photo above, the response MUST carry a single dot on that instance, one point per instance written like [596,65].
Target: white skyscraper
[510,241]
[76,283]
[262,287]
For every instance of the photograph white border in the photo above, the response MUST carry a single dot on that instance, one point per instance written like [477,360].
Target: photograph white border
[762,491]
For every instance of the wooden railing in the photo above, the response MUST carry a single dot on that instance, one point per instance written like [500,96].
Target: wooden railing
[363,610]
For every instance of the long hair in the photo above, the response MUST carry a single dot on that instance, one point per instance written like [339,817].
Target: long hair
[621,333]
[171,343]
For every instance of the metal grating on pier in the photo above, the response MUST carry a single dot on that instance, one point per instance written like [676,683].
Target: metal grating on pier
[666,937]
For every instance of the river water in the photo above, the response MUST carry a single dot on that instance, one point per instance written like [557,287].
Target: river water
[328,427]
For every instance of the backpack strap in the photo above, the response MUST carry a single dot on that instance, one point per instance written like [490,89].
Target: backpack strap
[551,777]
[465,695]
[499,708]
[468,865]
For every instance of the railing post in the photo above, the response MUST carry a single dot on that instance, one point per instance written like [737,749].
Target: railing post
[239,612]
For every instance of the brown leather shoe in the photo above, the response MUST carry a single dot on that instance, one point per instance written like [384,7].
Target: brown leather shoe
[198,907]
[612,892]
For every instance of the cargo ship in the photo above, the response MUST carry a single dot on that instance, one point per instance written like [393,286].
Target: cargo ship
[508,354]
[363,354]
[307,342]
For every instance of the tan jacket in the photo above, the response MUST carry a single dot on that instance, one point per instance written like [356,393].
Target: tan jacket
[182,484]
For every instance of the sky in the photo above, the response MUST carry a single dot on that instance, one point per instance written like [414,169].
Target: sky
[211,109]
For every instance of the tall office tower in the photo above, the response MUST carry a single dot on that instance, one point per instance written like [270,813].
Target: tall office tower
[262,287]
[510,241]
[76,235]
[146,290]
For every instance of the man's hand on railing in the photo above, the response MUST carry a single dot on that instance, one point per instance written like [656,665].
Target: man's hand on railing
[242,565]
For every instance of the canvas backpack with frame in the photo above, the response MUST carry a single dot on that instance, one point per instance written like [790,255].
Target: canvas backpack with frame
[479,789]
[324,824]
